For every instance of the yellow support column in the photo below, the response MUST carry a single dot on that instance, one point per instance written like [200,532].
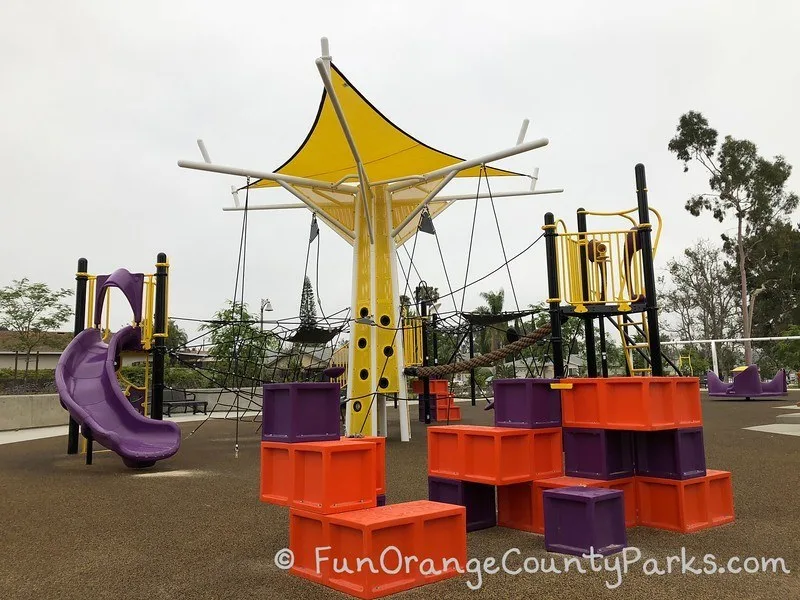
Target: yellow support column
[375,365]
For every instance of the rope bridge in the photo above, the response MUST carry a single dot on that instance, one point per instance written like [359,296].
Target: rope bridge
[482,360]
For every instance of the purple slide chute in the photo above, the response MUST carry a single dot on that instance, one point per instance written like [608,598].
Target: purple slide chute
[87,383]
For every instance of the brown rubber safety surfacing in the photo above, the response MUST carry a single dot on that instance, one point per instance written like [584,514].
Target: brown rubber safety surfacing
[192,527]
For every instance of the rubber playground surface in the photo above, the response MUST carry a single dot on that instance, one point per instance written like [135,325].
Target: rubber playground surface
[193,526]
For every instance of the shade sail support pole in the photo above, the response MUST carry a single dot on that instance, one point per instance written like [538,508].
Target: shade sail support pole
[277,177]
[337,108]
[318,210]
[421,206]
[474,162]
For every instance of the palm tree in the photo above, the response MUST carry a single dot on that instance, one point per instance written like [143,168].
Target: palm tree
[492,335]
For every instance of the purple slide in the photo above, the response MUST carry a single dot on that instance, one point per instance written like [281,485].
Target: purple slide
[87,383]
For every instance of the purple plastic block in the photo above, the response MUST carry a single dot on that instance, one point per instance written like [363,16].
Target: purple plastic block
[300,412]
[478,498]
[579,520]
[598,453]
[381,500]
[671,454]
[526,403]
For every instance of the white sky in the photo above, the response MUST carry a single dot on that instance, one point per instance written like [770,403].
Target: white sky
[100,99]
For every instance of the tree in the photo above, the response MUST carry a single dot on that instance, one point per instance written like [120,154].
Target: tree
[787,353]
[774,270]
[31,311]
[492,336]
[744,185]
[699,295]
[176,339]
[308,307]
[237,345]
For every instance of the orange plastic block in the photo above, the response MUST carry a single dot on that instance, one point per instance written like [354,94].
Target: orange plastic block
[427,540]
[685,505]
[453,413]
[333,477]
[494,455]
[307,533]
[380,459]
[632,403]
[521,506]
[436,387]
[276,473]
[444,403]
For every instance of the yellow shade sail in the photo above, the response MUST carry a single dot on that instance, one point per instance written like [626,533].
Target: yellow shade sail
[386,150]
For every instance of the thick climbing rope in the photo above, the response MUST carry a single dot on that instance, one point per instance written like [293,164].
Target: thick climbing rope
[482,360]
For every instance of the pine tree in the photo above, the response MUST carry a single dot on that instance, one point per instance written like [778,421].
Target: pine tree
[308,307]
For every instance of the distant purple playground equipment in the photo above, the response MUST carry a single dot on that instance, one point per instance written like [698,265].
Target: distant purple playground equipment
[86,378]
[748,385]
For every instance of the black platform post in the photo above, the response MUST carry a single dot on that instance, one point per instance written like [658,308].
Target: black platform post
[160,343]
[649,273]
[601,329]
[426,384]
[82,278]
[472,371]
[588,321]
[87,433]
[554,300]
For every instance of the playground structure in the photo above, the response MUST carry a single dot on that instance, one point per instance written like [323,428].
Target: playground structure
[87,374]
[578,460]
[373,184]
[747,384]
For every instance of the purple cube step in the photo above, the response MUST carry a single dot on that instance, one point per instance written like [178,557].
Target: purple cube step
[598,453]
[478,498]
[300,412]
[381,500]
[581,520]
[526,403]
[671,454]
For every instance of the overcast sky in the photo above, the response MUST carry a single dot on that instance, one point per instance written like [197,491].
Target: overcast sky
[100,99]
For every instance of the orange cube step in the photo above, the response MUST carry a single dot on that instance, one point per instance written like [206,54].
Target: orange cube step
[632,403]
[334,477]
[453,413]
[436,387]
[494,455]
[323,477]
[686,505]
[380,459]
[521,506]
[276,473]
[426,540]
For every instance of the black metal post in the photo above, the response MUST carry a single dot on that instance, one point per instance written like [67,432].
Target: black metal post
[657,368]
[603,354]
[160,343]
[435,338]
[588,325]
[426,384]
[554,301]
[87,433]
[82,279]
[472,371]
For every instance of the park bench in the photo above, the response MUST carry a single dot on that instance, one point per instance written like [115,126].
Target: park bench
[182,398]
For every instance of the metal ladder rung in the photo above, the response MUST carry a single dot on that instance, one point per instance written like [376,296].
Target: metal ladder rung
[634,346]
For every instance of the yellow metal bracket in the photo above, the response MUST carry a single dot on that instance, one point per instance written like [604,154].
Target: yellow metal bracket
[560,386]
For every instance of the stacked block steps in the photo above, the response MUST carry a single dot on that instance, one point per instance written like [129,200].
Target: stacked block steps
[640,436]
[474,466]
[609,453]
[335,489]
[442,402]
